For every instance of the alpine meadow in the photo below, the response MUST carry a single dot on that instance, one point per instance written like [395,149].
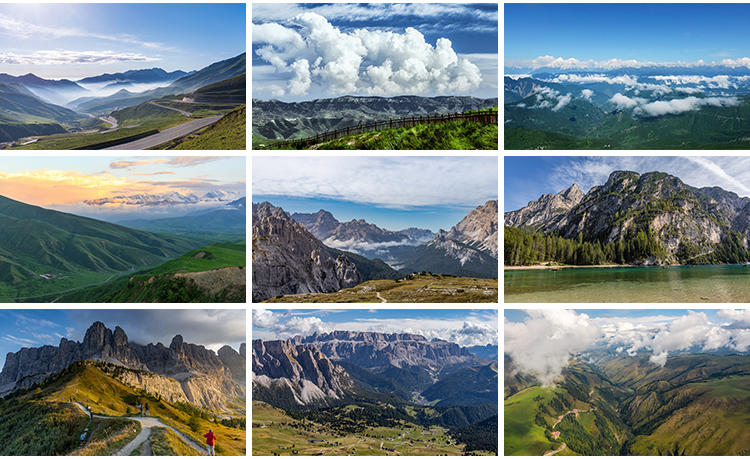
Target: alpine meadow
[375,76]
[674,85]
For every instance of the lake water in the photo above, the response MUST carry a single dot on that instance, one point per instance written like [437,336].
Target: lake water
[678,284]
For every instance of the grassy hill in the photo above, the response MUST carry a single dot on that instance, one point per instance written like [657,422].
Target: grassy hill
[229,133]
[42,421]
[230,90]
[417,288]
[168,283]
[456,135]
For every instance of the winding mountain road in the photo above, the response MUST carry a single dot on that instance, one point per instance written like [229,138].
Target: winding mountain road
[169,108]
[167,134]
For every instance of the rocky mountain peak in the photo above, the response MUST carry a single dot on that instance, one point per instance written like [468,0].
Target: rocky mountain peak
[176,342]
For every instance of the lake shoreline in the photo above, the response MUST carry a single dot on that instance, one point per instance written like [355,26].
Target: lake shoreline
[533,267]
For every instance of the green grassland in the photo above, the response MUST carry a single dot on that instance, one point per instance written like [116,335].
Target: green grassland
[229,133]
[417,288]
[522,436]
[213,256]
[107,436]
[275,433]
[455,135]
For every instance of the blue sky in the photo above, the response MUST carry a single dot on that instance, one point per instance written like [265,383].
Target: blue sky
[393,192]
[64,182]
[644,32]
[526,178]
[467,327]
[304,51]
[77,40]
[212,328]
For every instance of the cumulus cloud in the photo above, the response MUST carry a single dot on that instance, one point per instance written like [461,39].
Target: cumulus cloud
[545,342]
[303,326]
[586,94]
[264,319]
[624,102]
[374,62]
[677,106]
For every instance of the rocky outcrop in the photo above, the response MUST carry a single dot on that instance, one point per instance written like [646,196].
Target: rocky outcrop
[310,375]
[677,214]
[321,224]
[289,260]
[370,349]
[191,365]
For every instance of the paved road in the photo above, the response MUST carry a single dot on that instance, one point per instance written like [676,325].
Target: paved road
[166,135]
[169,108]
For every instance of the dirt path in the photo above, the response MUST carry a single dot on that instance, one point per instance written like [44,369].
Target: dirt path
[576,411]
[382,300]
[550,453]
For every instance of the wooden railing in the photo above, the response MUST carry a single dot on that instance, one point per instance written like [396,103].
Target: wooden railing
[477,116]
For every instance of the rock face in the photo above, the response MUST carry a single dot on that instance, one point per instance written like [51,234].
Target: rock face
[306,371]
[677,214]
[288,259]
[188,365]
[369,349]
[469,248]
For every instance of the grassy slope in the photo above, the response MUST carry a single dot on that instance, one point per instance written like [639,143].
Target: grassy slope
[522,436]
[164,442]
[458,135]
[229,133]
[425,288]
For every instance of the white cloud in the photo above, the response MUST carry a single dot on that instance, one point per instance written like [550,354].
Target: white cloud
[573,63]
[677,106]
[301,326]
[374,62]
[389,181]
[562,101]
[586,94]
[544,343]
[72,57]
[264,319]
[624,102]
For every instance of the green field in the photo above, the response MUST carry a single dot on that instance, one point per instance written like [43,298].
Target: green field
[275,433]
[419,288]
[229,133]
[213,256]
[522,436]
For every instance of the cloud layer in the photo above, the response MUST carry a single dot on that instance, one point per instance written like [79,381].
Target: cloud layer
[313,52]
[611,64]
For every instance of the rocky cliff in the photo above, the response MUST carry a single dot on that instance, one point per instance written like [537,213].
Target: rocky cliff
[470,248]
[204,377]
[685,219]
[303,370]
[369,349]
[288,259]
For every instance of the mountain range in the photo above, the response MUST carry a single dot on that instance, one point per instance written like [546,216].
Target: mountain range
[193,373]
[683,223]
[342,363]
[624,109]
[361,237]
[167,199]
[274,119]
[288,258]
[154,75]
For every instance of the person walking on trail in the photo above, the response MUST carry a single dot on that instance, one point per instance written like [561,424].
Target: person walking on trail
[146,409]
[210,437]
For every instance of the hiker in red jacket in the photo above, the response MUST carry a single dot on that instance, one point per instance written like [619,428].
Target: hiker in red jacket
[210,437]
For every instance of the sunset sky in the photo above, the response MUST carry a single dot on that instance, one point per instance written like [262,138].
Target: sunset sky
[63,183]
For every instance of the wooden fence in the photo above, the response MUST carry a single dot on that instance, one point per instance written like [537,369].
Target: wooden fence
[477,116]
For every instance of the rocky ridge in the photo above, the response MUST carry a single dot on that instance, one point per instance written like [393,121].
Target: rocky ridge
[203,376]
[676,213]
[403,350]
[305,371]
[288,259]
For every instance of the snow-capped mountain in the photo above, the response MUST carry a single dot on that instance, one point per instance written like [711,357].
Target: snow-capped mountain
[167,199]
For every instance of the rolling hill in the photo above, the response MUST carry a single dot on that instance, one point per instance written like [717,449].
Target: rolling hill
[36,241]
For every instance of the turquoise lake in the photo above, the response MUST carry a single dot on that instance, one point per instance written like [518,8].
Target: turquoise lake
[678,284]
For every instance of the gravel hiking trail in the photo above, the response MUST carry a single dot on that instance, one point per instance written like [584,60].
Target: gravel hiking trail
[147,423]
